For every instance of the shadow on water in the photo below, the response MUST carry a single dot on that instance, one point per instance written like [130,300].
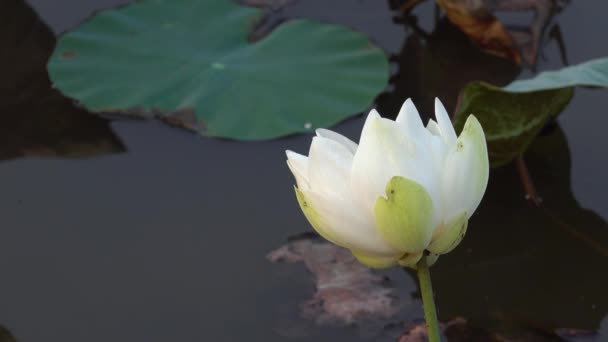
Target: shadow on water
[5,335]
[426,60]
[525,265]
[35,119]
[535,266]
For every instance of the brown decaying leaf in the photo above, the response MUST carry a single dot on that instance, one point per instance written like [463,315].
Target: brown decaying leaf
[346,291]
[528,39]
[476,19]
[477,22]
[457,329]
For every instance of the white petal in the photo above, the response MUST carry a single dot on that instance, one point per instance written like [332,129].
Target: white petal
[438,149]
[466,171]
[349,227]
[349,144]
[433,127]
[371,170]
[329,164]
[298,164]
[445,124]
[384,152]
[436,144]
[410,119]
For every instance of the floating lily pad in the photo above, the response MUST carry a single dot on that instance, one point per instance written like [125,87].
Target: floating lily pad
[592,73]
[189,62]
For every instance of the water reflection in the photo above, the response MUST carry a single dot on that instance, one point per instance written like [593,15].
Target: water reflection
[439,64]
[35,119]
[533,266]
[524,265]
[5,335]
[140,260]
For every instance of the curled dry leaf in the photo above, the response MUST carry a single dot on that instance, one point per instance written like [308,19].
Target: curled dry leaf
[528,38]
[476,19]
[346,292]
[477,22]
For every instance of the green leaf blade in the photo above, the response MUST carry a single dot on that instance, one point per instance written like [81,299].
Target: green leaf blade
[510,121]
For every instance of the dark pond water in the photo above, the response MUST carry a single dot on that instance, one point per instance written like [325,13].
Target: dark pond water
[161,235]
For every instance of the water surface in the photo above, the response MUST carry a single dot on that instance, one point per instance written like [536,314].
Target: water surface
[161,235]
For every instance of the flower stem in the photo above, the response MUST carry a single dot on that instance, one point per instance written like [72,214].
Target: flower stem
[527,182]
[430,313]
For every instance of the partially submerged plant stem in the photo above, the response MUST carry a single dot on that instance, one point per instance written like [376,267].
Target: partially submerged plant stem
[527,182]
[426,289]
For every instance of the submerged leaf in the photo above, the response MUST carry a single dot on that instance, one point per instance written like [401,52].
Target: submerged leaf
[346,291]
[510,121]
[190,56]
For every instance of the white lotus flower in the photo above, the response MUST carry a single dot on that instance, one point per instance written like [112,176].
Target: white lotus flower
[405,189]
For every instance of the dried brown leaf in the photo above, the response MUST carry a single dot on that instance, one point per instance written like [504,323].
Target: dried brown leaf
[477,22]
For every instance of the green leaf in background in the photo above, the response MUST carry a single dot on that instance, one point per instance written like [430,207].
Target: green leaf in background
[189,62]
[510,121]
[591,73]
[512,116]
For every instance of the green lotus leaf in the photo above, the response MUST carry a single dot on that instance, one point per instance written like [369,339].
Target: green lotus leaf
[512,116]
[510,120]
[190,62]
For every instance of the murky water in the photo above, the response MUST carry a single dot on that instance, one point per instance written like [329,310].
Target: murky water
[166,241]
